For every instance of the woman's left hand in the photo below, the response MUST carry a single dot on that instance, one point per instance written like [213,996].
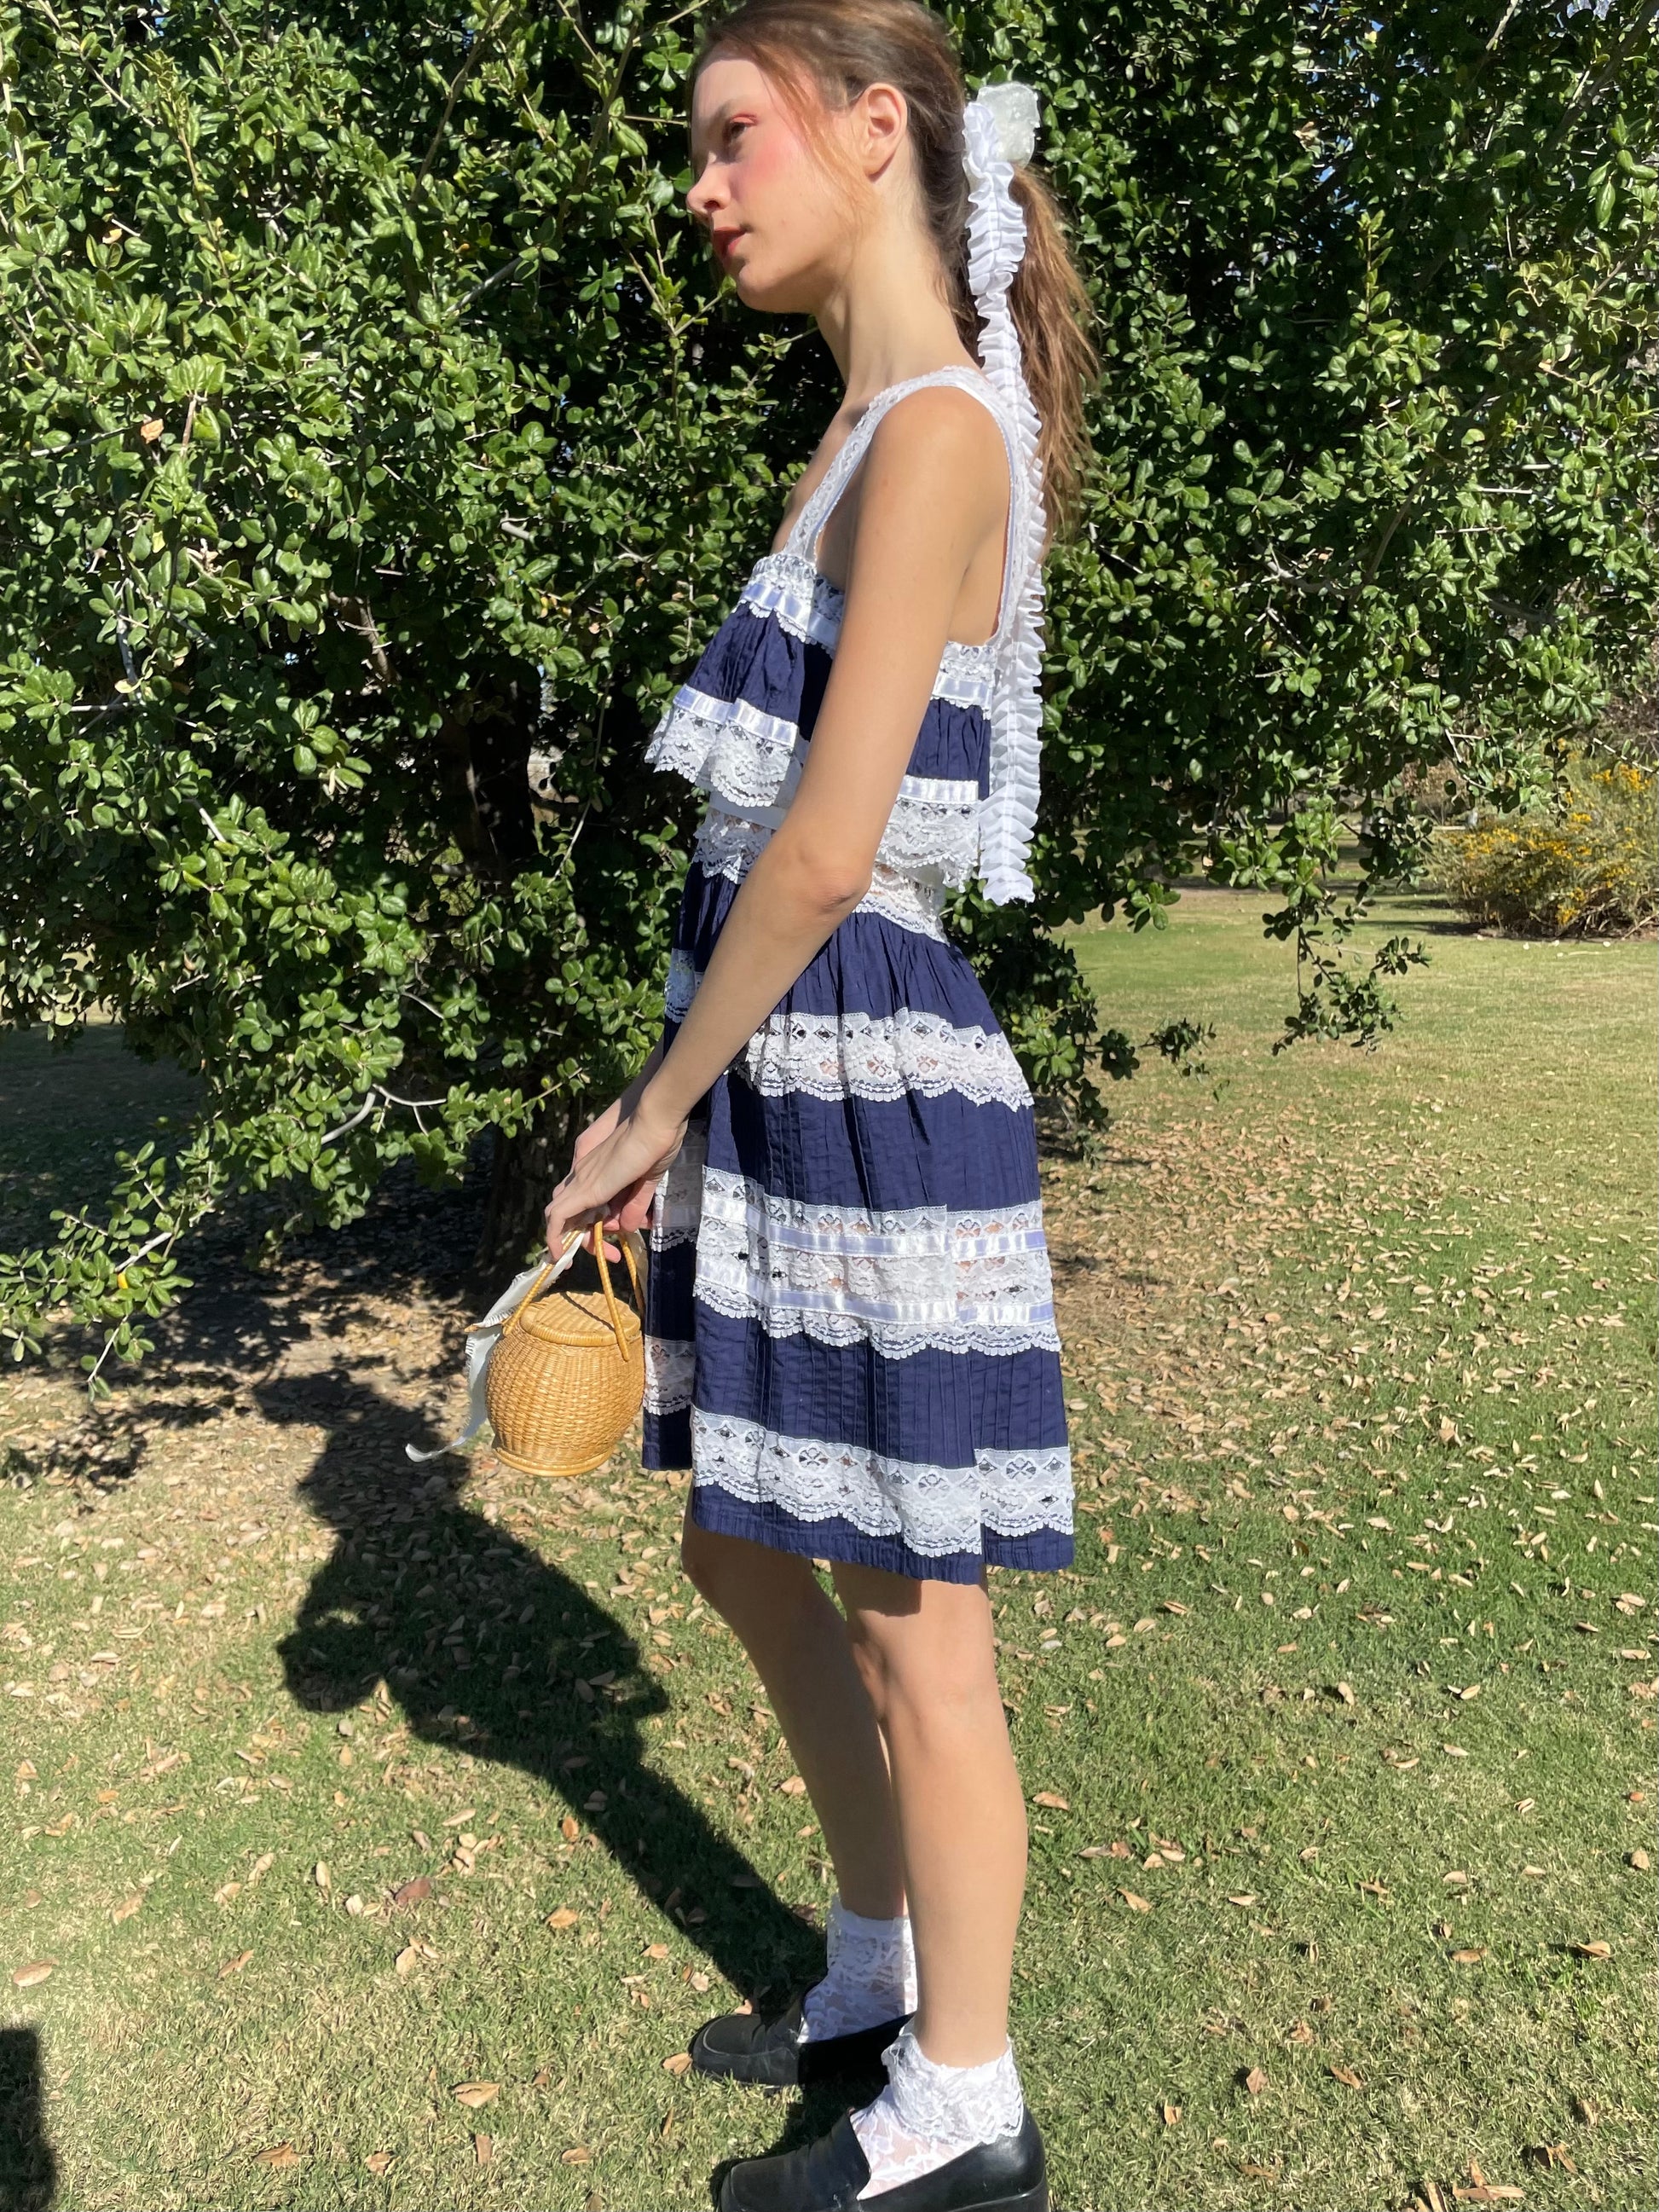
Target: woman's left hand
[615,1181]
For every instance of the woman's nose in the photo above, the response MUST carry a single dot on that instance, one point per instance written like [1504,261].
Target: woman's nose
[704,196]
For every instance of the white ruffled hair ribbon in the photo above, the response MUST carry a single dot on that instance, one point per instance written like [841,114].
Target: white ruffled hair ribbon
[1000,130]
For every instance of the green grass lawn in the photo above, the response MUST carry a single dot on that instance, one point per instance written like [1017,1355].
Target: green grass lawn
[338,1785]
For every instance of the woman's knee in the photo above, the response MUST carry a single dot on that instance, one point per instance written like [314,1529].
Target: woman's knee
[734,1575]
[936,1674]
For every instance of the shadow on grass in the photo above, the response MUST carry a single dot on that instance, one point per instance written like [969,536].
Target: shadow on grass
[28,2171]
[485,1645]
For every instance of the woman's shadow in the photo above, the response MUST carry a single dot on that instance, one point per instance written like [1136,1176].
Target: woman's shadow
[486,1646]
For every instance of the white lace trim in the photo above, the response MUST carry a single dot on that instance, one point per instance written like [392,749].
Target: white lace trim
[676,1204]
[996,246]
[902,899]
[670,1371]
[872,1975]
[680,986]
[798,595]
[924,1269]
[727,845]
[752,761]
[801,599]
[929,2114]
[750,758]
[933,1510]
[836,1057]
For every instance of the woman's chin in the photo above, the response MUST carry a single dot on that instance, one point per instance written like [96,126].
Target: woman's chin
[776,296]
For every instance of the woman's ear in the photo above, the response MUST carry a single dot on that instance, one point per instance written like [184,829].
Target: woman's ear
[880,118]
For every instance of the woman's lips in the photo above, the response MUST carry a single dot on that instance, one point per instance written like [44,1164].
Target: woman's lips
[725,240]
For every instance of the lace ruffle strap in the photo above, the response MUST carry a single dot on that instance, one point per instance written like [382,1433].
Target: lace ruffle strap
[996,246]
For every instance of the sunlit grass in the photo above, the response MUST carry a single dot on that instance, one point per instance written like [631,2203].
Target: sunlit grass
[1357,1653]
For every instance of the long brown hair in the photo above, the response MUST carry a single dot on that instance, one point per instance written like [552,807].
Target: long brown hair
[836,48]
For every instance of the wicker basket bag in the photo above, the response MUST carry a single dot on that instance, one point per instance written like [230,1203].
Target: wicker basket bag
[566,1379]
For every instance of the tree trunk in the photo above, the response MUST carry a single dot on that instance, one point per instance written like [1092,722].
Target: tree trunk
[525,1168]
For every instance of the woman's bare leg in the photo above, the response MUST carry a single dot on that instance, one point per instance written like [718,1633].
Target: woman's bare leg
[795,1635]
[924,1649]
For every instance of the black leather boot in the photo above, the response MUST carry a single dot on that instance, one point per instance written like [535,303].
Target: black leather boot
[742,2047]
[826,2176]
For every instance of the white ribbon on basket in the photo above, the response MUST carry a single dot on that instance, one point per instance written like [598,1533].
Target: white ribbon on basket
[482,1338]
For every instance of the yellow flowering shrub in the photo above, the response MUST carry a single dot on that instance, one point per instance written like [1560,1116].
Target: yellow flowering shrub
[1588,866]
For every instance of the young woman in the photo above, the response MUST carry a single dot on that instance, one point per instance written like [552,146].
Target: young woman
[849,1320]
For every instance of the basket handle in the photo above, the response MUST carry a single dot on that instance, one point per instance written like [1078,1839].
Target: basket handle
[579,1237]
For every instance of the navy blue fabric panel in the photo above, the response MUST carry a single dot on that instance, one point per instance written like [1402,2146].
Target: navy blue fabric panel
[934,1407]
[668,1292]
[882,1153]
[868,966]
[753,657]
[716,1509]
[667,1440]
[954,743]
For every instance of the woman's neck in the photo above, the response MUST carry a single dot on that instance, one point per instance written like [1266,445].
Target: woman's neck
[883,319]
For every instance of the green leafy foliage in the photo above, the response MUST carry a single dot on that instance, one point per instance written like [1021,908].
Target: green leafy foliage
[379,447]
[1585,866]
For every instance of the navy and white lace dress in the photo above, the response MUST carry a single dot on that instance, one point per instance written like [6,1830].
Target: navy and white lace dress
[850,1325]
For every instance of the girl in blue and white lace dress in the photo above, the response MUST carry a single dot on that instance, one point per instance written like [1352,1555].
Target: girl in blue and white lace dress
[850,1326]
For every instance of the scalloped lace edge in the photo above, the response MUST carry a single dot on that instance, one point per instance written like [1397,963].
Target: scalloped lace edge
[934,1510]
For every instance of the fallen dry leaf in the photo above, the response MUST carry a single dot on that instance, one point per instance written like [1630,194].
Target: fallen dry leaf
[678,2064]
[570,1828]
[149,431]
[378,2162]
[1300,2033]
[1245,1898]
[657,1951]
[1470,1957]
[1135,1904]
[1347,2077]
[128,1905]
[1053,1800]
[235,1966]
[578,2155]
[281,2155]
[564,1917]
[412,1893]
[483,2148]
[37,1971]
[408,1959]
[1255,2081]
[1345,1692]
[1592,1950]
[1640,1861]
[472,2094]
[1172,2116]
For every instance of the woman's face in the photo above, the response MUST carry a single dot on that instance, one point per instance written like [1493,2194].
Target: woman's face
[778,223]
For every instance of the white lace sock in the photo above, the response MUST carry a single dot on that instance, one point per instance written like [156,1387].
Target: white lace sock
[871,1977]
[929,2114]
